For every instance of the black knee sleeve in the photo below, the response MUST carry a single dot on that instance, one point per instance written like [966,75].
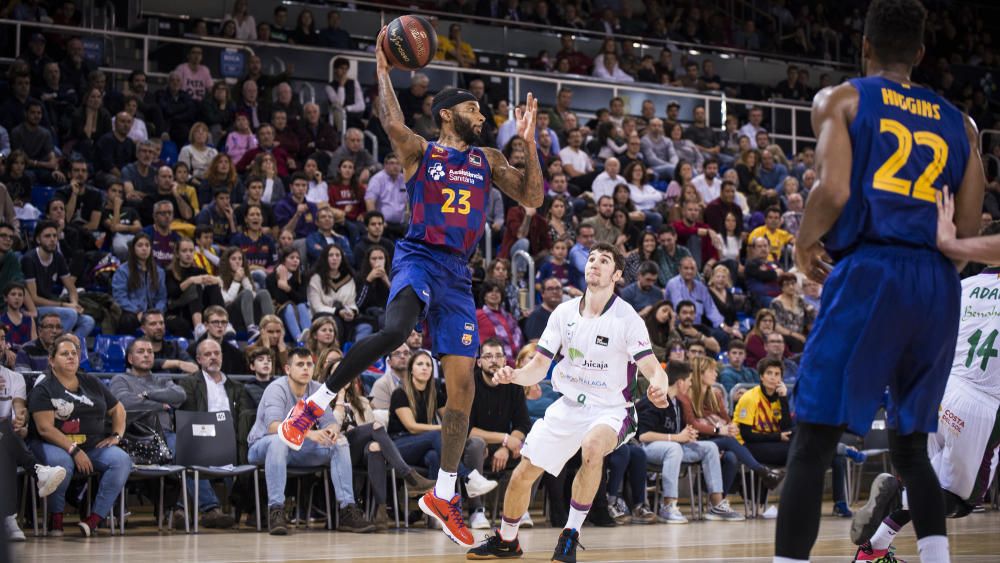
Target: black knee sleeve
[927,506]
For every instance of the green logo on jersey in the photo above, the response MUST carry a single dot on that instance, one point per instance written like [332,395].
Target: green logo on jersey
[575,354]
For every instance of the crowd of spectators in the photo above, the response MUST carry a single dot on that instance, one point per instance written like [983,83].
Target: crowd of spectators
[236,219]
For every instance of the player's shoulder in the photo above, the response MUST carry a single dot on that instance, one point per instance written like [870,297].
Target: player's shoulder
[621,311]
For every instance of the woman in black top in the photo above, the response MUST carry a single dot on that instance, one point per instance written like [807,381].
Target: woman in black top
[373,288]
[17,178]
[287,287]
[71,412]
[190,290]
[305,30]
[719,288]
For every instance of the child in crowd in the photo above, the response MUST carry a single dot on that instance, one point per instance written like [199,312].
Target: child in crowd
[18,321]
[206,252]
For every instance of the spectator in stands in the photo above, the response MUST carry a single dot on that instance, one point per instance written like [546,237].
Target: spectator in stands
[139,176]
[251,105]
[259,361]
[19,91]
[685,149]
[189,291]
[10,264]
[771,174]
[85,406]
[325,236]
[138,285]
[452,48]
[757,338]
[556,265]
[305,32]
[354,149]
[137,130]
[718,208]
[585,238]
[344,93]
[708,183]
[736,371]
[17,180]
[272,340]
[220,330]
[218,111]
[346,195]
[287,102]
[643,293]
[374,229]
[288,292]
[293,212]
[660,323]
[34,355]
[333,36]
[776,237]
[396,364]
[279,30]
[83,201]
[494,322]
[167,190]
[196,78]
[225,395]
[164,239]
[246,26]
[244,302]
[609,69]
[17,321]
[794,318]
[333,291]
[707,242]
[168,355]
[146,395]
[703,135]
[218,215]
[37,144]
[411,100]
[695,328]
[266,145]
[576,162]
[668,442]
[752,126]
[316,138]
[90,122]
[149,108]
[322,337]
[720,288]
[658,150]
[179,109]
[259,248]
[197,153]
[75,69]
[46,274]
[790,89]
[552,296]
[579,63]
[670,254]
[761,272]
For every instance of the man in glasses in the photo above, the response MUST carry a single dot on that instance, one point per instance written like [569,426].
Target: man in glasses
[34,356]
[217,325]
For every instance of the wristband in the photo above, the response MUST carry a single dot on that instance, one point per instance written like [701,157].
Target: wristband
[505,438]
[73,450]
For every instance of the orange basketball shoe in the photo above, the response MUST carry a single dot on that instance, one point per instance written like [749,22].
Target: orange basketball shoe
[298,422]
[449,514]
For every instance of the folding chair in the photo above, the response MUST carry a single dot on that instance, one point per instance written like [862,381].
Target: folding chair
[689,469]
[143,473]
[875,444]
[206,447]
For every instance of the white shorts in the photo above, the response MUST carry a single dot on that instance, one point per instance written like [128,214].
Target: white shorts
[557,436]
[963,451]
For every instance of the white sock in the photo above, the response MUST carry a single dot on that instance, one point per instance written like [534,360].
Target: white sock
[788,560]
[445,487]
[887,530]
[322,397]
[933,549]
[905,500]
[577,514]
[508,528]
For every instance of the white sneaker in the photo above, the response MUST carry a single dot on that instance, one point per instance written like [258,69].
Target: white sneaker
[670,514]
[477,485]
[14,532]
[49,479]
[479,521]
[526,521]
[724,512]
[771,513]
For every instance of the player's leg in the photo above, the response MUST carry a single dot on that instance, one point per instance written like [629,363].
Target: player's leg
[927,507]
[503,544]
[400,315]
[812,449]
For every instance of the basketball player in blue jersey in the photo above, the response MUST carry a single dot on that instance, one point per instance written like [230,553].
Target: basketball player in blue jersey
[886,148]
[448,184]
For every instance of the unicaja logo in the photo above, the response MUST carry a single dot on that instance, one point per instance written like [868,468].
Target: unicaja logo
[591,364]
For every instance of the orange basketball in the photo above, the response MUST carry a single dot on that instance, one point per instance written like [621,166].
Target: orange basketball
[410,42]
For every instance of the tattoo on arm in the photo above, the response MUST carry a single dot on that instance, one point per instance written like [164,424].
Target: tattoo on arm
[454,430]
[389,110]
[525,187]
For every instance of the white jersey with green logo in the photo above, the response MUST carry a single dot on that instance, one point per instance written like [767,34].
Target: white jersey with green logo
[598,355]
[976,356]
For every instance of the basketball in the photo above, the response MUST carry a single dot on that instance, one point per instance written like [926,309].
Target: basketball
[410,42]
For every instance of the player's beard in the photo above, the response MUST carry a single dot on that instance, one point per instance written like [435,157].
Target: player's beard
[464,129]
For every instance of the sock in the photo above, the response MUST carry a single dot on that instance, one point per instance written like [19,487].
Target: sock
[933,549]
[445,487]
[508,528]
[887,530]
[577,514]
[789,560]
[322,397]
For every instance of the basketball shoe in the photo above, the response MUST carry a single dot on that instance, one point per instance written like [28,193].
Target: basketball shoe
[298,422]
[867,554]
[496,548]
[565,550]
[449,515]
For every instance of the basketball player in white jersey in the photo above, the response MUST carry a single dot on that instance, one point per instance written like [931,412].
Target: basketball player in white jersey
[963,451]
[599,342]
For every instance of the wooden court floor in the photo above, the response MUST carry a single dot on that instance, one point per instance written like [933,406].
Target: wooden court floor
[975,538]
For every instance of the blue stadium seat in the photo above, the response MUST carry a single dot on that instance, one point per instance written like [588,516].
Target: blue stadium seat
[41,196]
[109,352]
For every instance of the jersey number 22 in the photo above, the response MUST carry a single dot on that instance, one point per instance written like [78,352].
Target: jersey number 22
[885,176]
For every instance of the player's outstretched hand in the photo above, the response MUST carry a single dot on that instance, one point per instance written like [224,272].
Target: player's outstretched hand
[813,261]
[504,375]
[381,62]
[526,120]
[946,231]
[657,396]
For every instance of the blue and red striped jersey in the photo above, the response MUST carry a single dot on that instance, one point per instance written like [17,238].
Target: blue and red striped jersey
[448,197]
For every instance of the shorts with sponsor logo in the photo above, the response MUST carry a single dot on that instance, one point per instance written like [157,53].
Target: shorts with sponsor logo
[963,451]
[557,436]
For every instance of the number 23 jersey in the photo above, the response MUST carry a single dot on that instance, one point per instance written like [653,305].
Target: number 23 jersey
[907,143]
[598,355]
[448,197]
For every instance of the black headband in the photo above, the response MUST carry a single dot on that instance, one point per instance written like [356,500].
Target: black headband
[451,97]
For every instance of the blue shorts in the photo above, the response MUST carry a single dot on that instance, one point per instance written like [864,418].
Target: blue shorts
[442,281]
[888,319]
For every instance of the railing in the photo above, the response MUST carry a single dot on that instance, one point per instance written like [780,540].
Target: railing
[524,255]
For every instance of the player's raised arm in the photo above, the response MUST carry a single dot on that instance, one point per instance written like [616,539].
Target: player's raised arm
[832,111]
[984,249]
[525,187]
[407,145]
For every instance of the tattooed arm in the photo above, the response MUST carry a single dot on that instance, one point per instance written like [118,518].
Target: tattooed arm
[525,186]
[407,145]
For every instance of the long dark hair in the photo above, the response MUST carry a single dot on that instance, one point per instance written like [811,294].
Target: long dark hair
[134,274]
[411,391]
[225,270]
[175,264]
[366,263]
[659,333]
[322,268]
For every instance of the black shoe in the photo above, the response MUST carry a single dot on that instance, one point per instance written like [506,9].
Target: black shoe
[881,501]
[495,548]
[215,518]
[276,524]
[771,479]
[352,520]
[565,551]
[600,518]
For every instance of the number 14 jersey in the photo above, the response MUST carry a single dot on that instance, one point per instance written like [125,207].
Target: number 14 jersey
[907,143]
[448,197]
[977,355]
